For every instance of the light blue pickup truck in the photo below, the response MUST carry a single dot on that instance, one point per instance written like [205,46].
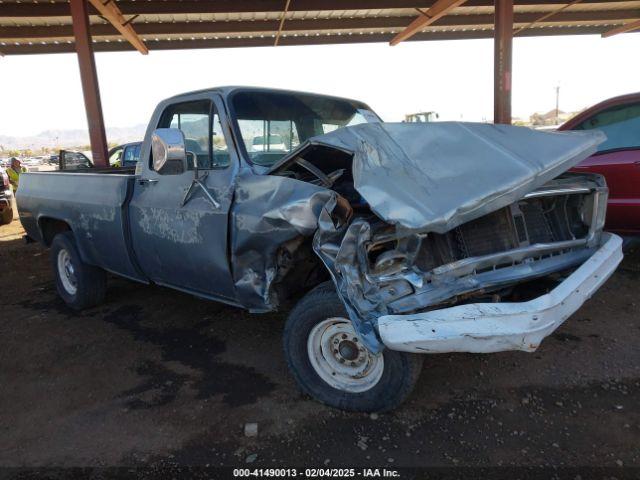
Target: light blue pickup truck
[395,239]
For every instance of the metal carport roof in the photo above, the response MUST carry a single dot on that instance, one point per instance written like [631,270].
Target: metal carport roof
[46,26]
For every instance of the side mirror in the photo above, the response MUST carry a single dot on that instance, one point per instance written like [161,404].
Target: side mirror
[169,154]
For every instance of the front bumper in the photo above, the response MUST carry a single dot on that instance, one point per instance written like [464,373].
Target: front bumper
[497,327]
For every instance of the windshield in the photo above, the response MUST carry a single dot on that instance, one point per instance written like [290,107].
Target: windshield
[272,124]
[621,124]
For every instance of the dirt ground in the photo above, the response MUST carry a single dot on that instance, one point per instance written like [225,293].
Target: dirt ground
[157,377]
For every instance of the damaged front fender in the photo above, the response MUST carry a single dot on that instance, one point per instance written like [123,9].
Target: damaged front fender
[338,248]
[268,212]
[271,213]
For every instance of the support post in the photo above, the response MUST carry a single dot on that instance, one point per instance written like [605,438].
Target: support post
[89,79]
[503,44]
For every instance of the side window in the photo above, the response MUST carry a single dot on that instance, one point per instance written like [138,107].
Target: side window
[621,125]
[200,124]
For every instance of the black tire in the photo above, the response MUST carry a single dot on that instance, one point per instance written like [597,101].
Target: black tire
[7,216]
[90,281]
[399,376]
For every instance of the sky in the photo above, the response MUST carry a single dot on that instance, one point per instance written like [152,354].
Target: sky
[453,78]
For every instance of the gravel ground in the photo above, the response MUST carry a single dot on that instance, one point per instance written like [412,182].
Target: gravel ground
[156,377]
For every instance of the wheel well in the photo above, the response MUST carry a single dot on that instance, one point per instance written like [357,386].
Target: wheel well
[299,269]
[50,227]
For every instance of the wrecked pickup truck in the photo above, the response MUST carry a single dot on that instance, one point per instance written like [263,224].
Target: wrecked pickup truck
[400,239]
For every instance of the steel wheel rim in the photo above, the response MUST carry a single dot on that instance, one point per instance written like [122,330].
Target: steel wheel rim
[340,359]
[67,273]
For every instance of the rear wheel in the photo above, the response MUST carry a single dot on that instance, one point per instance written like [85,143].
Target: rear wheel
[80,285]
[330,363]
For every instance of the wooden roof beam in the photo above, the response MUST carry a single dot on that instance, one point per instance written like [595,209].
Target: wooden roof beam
[437,11]
[281,25]
[627,27]
[110,11]
[546,16]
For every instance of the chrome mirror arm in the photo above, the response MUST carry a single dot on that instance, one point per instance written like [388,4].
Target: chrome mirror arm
[197,182]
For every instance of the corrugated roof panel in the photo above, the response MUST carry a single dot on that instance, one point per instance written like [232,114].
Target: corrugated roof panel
[375,23]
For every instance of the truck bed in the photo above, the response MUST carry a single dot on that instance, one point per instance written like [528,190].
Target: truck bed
[94,204]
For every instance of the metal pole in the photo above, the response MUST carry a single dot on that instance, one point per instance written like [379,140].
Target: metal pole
[89,79]
[503,43]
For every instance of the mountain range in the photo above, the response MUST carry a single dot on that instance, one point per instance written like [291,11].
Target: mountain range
[68,138]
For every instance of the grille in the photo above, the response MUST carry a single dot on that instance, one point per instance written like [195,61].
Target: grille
[537,225]
[489,234]
[521,229]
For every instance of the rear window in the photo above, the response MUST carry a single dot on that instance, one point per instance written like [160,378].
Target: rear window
[272,124]
[621,124]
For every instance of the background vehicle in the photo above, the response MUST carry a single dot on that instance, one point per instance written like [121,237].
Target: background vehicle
[32,162]
[421,117]
[126,155]
[275,143]
[70,160]
[618,158]
[388,267]
[6,199]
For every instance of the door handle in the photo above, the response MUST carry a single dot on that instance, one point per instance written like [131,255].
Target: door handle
[147,181]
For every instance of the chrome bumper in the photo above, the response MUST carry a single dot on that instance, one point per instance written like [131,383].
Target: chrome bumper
[496,327]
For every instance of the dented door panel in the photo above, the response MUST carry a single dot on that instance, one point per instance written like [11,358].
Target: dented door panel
[181,240]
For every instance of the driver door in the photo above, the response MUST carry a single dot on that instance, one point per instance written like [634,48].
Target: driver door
[180,240]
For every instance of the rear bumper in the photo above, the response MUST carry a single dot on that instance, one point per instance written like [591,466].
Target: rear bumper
[496,327]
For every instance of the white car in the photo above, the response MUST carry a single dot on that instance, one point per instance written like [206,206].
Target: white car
[275,143]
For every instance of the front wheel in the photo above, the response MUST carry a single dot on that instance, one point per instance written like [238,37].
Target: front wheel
[80,285]
[331,365]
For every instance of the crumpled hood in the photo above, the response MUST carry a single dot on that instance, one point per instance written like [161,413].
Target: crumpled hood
[436,176]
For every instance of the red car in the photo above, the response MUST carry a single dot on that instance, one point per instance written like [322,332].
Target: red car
[618,158]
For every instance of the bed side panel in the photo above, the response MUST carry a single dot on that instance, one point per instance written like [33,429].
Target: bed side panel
[95,207]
